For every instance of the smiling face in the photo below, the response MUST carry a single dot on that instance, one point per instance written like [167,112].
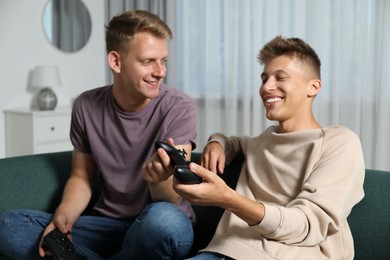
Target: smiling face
[139,72]
[287,91]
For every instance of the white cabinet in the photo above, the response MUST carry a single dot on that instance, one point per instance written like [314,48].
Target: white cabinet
[32,131]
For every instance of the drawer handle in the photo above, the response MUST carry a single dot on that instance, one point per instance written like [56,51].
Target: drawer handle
[52,128]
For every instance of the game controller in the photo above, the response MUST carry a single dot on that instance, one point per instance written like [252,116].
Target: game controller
[60,246]
[181,170]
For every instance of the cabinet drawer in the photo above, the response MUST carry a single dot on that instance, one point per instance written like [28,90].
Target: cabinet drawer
[51,128]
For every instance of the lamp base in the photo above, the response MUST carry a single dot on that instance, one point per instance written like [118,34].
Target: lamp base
[47,99]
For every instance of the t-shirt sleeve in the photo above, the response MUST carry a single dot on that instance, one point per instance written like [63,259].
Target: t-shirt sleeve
[181,122]
[78,135]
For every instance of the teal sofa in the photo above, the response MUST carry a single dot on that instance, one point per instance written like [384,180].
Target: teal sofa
[37,181]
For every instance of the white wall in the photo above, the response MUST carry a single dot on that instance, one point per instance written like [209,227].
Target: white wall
[23,45]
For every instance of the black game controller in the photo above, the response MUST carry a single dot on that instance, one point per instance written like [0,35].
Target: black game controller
[181,171]
[60,246]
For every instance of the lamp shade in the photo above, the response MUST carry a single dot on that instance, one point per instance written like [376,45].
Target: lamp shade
[46,76]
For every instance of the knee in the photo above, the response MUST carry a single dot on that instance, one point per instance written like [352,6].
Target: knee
[165,215]
[8,220]
[165,212]
[21,227]
[162,229]
[17,222]
[8,225]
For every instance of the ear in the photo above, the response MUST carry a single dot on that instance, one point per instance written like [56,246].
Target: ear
[114,61]
[314,88]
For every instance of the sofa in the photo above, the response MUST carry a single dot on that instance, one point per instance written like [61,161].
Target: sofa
[36,182]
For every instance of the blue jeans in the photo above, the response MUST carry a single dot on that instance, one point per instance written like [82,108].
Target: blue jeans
[161,231]
[210,256]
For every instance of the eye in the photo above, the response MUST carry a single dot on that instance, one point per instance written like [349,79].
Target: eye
[264,80]
[280,78]
[145,62]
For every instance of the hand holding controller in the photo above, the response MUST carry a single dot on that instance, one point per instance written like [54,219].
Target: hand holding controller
[60,246]
[181,170]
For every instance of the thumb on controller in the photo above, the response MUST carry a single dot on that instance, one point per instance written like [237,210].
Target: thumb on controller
[201,171]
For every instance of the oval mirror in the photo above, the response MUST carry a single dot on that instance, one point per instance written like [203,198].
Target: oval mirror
[67,24]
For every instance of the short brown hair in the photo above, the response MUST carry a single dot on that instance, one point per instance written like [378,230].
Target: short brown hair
[122,28]
[292,47]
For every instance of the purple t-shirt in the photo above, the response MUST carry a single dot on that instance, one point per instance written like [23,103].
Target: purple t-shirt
[120,142]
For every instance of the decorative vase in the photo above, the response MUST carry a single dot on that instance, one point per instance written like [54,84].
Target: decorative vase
[47,99]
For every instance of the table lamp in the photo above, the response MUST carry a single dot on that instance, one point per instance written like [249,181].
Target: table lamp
[46,77]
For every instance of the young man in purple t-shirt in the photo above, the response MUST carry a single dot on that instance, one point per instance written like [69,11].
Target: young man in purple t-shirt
[113,131]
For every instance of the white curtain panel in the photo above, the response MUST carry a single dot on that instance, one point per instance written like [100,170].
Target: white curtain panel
[218,42]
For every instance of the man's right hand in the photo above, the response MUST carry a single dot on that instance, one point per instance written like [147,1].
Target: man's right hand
[213,157]
[59,221]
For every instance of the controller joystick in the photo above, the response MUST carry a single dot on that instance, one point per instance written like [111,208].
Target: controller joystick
[181,170]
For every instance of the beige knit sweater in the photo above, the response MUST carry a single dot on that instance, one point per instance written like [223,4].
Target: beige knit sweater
[308,181]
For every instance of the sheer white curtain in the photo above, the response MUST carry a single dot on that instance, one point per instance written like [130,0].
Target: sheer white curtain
[217,43]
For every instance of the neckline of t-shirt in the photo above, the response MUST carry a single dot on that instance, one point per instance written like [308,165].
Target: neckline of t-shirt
[142,111]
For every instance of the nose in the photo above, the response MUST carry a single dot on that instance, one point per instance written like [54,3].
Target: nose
[159,69]
[267,86]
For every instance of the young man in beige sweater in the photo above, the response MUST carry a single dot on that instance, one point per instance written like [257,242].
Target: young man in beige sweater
[299,181]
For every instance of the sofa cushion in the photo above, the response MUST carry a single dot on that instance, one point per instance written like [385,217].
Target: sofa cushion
[33,181]
[370,219]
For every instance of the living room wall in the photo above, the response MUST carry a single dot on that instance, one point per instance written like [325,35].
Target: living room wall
[23,45]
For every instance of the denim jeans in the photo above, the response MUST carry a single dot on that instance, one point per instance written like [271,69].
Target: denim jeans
[210,256]
[160,231]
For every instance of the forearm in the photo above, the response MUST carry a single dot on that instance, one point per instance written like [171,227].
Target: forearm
[250,211]
[75,198]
